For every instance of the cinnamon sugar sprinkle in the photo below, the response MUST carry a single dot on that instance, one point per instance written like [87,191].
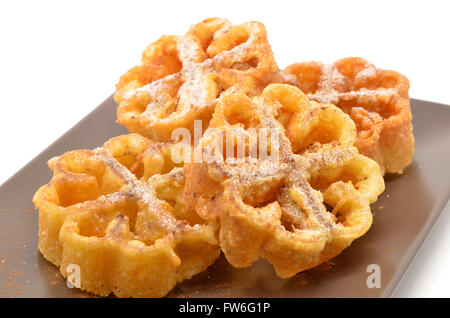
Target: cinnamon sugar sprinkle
[331,80]
[192,92]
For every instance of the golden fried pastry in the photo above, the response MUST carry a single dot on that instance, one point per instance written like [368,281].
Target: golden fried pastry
[117,213]
[180,78]
[299,203]
[377,101]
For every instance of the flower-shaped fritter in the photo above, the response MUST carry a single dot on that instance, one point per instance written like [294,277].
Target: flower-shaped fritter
[117,212]
[299,203]
[377,101]
[180,78]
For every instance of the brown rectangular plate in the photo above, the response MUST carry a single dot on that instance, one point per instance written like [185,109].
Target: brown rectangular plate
[403,216]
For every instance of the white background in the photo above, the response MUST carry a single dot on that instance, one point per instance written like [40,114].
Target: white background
[59,60]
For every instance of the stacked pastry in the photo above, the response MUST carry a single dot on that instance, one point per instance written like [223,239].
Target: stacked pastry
[225,153]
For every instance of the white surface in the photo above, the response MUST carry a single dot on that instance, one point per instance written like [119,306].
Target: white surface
[58,61]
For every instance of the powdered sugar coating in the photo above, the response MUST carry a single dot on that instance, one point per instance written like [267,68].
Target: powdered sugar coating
[207,69]
[377,100]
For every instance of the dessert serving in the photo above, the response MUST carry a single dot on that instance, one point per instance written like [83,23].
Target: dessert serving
[226,153]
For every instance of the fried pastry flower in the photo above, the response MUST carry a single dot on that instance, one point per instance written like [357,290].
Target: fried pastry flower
[181,77]
[117,213]
[297,211]
[376,100]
